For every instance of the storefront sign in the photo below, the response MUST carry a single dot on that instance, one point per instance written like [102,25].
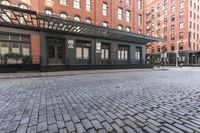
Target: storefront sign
[71,44]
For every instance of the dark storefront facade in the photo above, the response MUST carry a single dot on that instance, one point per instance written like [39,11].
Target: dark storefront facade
[50,43]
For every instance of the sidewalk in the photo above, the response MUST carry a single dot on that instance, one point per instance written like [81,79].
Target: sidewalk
[66,73]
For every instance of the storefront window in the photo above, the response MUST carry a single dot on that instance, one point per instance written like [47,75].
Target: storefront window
[78,53]
[26,49]
[18,44]
[123,53]
[4,48]
[15,48]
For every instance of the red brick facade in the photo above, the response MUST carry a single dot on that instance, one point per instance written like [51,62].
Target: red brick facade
[181,30]
[95,14]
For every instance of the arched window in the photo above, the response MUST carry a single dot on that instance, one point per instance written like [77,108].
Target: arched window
[105,24]
[63,15]
[23,6]
[120,27]
[21,20]
[77,18]
[48,12]
[4,16]
[88,20]
[5,2]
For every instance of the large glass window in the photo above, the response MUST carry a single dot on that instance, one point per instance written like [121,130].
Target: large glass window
[18,44]
[123,53]
[82,53]
[138,54]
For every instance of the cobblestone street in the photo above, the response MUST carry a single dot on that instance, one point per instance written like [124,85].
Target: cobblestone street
[137,101]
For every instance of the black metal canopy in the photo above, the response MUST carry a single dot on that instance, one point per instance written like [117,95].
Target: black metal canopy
[25,18]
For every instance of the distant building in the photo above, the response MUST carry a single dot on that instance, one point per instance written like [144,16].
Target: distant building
[178,22]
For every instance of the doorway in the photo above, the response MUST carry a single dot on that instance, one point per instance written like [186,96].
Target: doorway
[55,52]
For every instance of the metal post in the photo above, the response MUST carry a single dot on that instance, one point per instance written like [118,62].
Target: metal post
[177,58]
[177,55]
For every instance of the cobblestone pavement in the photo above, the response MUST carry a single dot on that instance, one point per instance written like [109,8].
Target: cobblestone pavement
[149,101]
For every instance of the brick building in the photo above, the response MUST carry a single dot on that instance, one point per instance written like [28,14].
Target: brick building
[178,22]
[73,32]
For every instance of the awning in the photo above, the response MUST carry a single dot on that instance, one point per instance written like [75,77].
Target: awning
[24,18]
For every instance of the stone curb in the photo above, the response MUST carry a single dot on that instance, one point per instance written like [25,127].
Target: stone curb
[71,73]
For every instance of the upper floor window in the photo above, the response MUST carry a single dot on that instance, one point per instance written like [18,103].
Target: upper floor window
[48,12]
[63,2]
[77,4]
[165,12]
[173,8]
[181,5]
[139,4]
[5,2]
[181,25]
[120,14]
[181,15]
[165,2]
[23,6]
[88,20]
[77,18]
[128,29]
[158,6]
[139,19]
[105,24]
[128,16]
[88,5]
[120,27]
[63,15]
[105,9]
[128,2]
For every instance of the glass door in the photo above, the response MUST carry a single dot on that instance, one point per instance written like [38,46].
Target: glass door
[55,54]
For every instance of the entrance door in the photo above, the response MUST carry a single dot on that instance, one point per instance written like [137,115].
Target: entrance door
[55,54]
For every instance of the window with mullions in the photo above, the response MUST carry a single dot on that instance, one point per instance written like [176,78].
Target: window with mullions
[105,9]
[77,4]
[82,53]
[123,53]
[18,44]
[88,5]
